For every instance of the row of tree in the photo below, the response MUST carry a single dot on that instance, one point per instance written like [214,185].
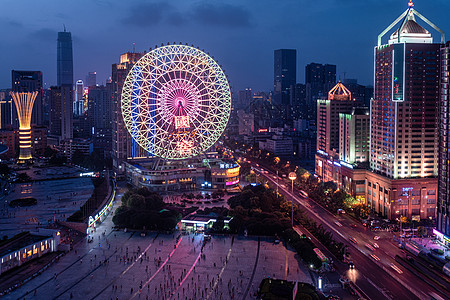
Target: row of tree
[142,209]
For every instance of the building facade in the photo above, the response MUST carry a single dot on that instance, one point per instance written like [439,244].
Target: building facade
[285,75]
[121,139]
[64,58]
[354,133]
[443,205]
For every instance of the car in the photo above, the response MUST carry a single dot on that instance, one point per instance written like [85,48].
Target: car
[338,223]
[375,257]
[375,245]
[376,238]
[368,246]
[351,265]
[353,225]
[353,240]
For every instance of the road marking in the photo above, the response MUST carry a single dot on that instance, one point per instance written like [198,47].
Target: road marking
[160,268]
[417,293]
[220,274]
[187,274]
[286,264]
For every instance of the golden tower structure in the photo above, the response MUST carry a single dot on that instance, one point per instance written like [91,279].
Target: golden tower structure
[24,106]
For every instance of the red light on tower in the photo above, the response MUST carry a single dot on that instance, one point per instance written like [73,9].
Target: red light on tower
[410,4]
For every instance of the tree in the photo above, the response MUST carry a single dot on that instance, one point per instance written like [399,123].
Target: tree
[421,231]
[4,170]
[136,201]
[218,225]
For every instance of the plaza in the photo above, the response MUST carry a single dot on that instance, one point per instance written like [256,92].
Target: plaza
[131,265]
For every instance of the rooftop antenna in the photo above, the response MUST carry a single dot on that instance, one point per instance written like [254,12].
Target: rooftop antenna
[64,25]
[134,48]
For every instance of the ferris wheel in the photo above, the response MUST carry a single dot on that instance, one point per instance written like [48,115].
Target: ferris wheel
[176,102]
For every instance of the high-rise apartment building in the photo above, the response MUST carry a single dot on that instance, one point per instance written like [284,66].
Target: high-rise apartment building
[29,81]
[6,109]
[122,143]
[244,99]
[64,58]
[443,204]
[339,101]
[354,133]
[285,75]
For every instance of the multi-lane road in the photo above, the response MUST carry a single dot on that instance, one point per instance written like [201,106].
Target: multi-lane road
[376,272]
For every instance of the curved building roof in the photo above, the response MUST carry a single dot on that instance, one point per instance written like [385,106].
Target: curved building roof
[339,92]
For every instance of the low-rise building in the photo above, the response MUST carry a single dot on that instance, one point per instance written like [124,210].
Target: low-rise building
[27,246]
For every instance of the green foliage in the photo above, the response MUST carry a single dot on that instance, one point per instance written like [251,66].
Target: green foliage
[303,246]
[143,209]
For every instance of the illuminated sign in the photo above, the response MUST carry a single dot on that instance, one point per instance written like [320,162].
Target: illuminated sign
[407,189]
[398,72]
[337,164]
[185,147]
[345,164]
[262,130]
[181,122]
[322,152]
[232,182]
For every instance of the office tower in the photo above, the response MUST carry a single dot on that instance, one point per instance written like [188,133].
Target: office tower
[443,204]
[285,75]
[91,79]
[404,111]
[6,109]
[319,79]
[246,122]
[244,98]
[79,90]
[404,122]
[100,116]
[122,143]
[298,101]
[354,133]
[61,114]
[29,81]
[24,102]
[339,101]
[78,104]
[64,58]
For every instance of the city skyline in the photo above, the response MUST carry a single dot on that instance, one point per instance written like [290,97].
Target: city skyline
[241,36]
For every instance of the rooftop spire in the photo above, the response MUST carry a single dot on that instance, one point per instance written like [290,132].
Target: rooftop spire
[410,4]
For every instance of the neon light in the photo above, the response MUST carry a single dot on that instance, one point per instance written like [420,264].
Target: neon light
[184,148]
[337,164]
[263,130]
[24,106]
[345,164]
[232,182]
[181,122]
[165,85]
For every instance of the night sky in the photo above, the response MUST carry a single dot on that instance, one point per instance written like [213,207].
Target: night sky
[240,34]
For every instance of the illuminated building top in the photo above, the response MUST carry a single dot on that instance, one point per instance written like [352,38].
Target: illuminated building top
[339,92]
[410,31]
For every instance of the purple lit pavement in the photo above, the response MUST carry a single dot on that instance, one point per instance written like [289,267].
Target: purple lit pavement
[160,266]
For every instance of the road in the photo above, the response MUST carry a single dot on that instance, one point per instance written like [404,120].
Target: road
[376,274]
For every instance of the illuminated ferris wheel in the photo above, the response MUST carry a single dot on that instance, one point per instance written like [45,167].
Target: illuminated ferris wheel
[176,102]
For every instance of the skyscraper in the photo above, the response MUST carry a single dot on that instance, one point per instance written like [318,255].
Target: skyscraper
[91,79]
[285,74]
[443,205]
[404,122]
[328,110]
[122,143]
[319,79]
[61,112]
[29,81]
[64,58]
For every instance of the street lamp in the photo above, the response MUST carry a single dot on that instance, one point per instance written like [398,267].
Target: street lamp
[292,177]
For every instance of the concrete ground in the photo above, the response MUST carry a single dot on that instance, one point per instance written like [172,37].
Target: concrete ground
[126,265]
[56,199]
